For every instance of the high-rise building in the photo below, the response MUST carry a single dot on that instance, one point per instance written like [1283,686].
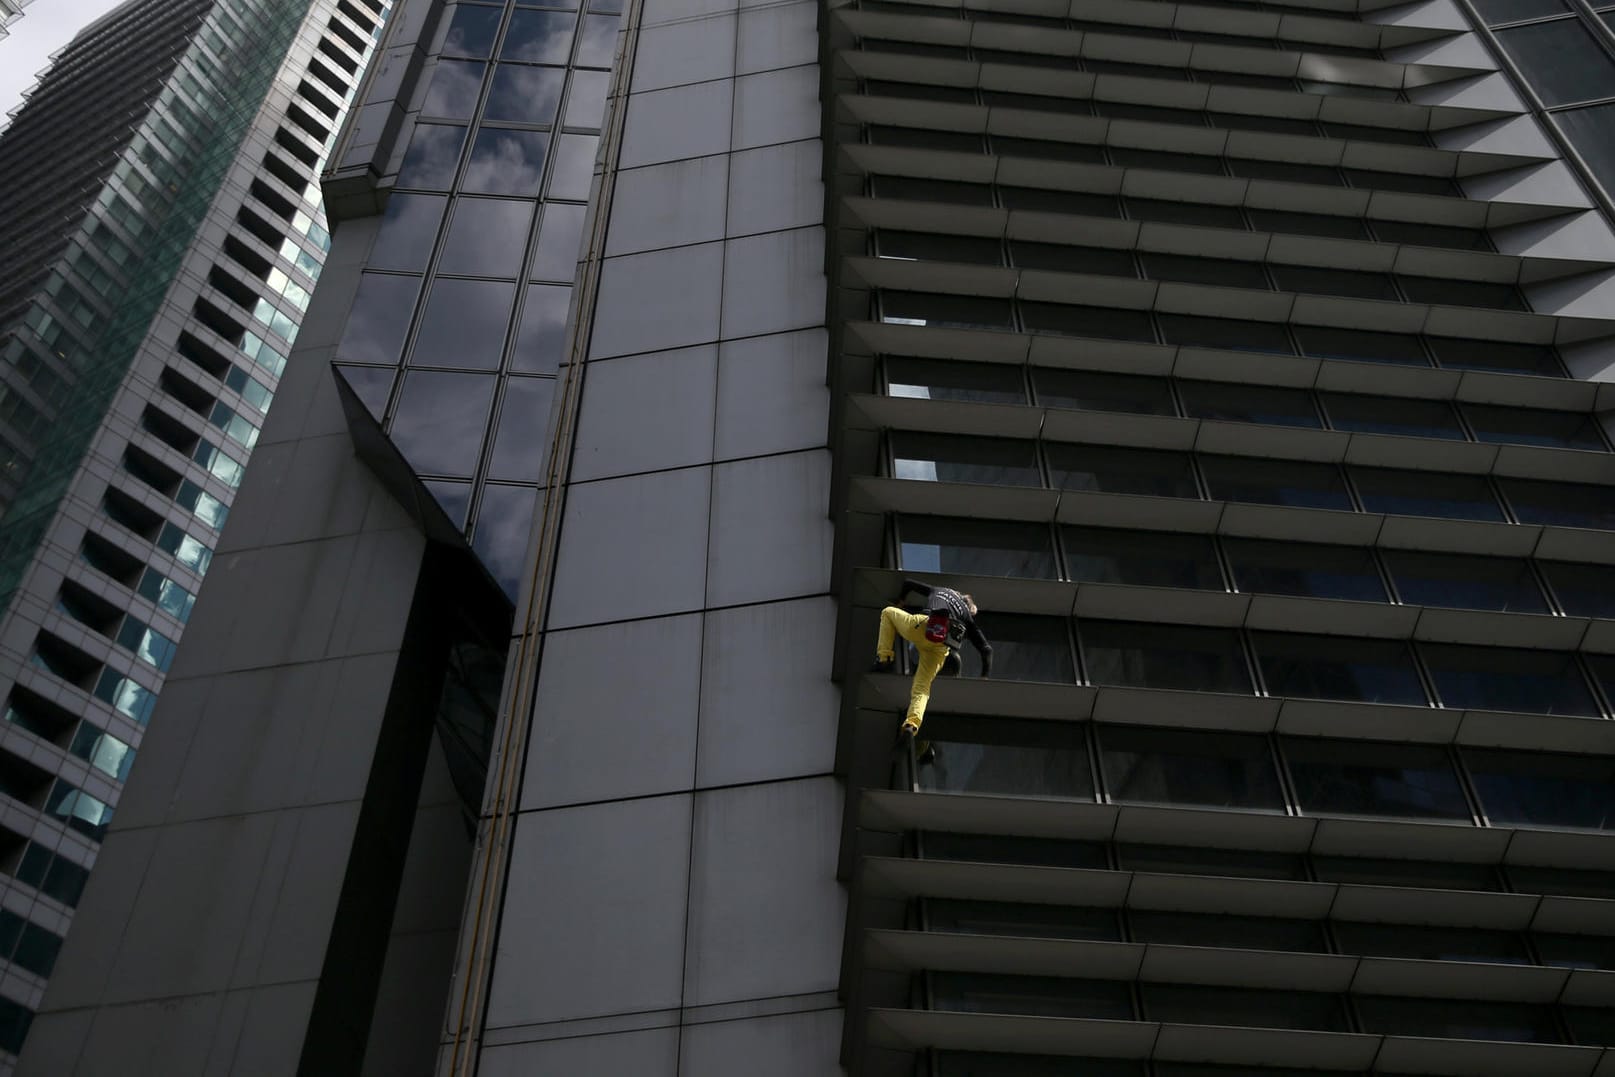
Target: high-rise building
[160,235]
[10,12]
[1242,358]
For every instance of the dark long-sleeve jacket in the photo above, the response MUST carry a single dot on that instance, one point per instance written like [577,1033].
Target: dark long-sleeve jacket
[959,610]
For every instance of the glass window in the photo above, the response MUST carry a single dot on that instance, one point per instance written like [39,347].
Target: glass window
[937,379]
[1408,182]
[539,37]
[1336,667]
[1024,648]
[1041,200]
[1038,996]
[1241,403]
[1190,270]
[1590,1024]
[1465,1019]
[454,498]
[434,152]
[1126,157]
[1286,172]
[1001,849]
[975,1064]
[555,256]
[1561,60]
[574,167]
[1024,920]
[1575,951]
[1508,679]
[464,324]
[1093,391]
[1063,258]
[1304,568]
[1431,235]
[961,311]
[1534,426]
[1507,11]
[941,458]
[909,246]
[935,544]
[1308,224]
[1240,932]
[597,40]
[919,91]
[541,334]
[1592,131]
[1576,882]
[1360,777]
[1462,293]
[522,94]
[1219,1005]
[586,104]
[1041,149]
[1230,333]
[1497,355]
[1567,504]
[1107,323]
[1312,280]
[1425,493]
[1544,789]
[1193,860]
[506,161]
[504,528]
[487,237]
[1142,558]
[1008,757]
[1422,942]
[1360,345]
[1122,471]
[472,31]
[918,138]
[1284,125]
[1151,209]
[408,230]
[1275,482]
[439,421]
[1189,767]
[378,319]
[1365,414]
[522,440]
[453,92]
[1427,874]
[1462,582]
[1181,657]
[929,190]
[1582,590]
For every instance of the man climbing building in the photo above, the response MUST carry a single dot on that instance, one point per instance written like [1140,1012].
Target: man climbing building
[947,619]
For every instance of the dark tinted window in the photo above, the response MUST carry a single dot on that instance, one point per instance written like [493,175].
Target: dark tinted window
[916,138]
[1108,323]
[1275,482]
[1004,756]
[1392,415]
[937,458]
[1046,150]
[976,547]
[1308,224]
[1501,356]
[1426,874]
[1426,943]
[1143,558]
[1163,656]
[935,379]
[1408,182]
[1575,951]
[1462,293]
[1189,767]
[1308,569]
[1015,918]
[1024,648]
[1360,345]
[1194,860]
[929,247]
[1235,932]
[928,190]
[1424,493]
[999,849]
[1229,333]
[1189,270]
[974,1064]
[1534,426]
[1468,1019]
[1508,679]
[1040,200]
[1169,162]
[1544,789]
[1039,996]
[1149,209]
[1335,667]
[1236,402]
[1219,1005]
[1067,259]
[1092,391]
[1122,471]
[1316,281]
[959,311]
[1351,777]
[1286,172]
[1582,590]
[1468,583]
[921,91]
[1431,235]
[1568,504]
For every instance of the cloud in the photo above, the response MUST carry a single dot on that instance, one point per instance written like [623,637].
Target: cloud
[44,27]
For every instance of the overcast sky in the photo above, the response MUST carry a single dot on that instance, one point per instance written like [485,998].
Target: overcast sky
[45,26]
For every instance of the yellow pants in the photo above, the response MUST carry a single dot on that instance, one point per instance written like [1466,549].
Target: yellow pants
[911,626]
